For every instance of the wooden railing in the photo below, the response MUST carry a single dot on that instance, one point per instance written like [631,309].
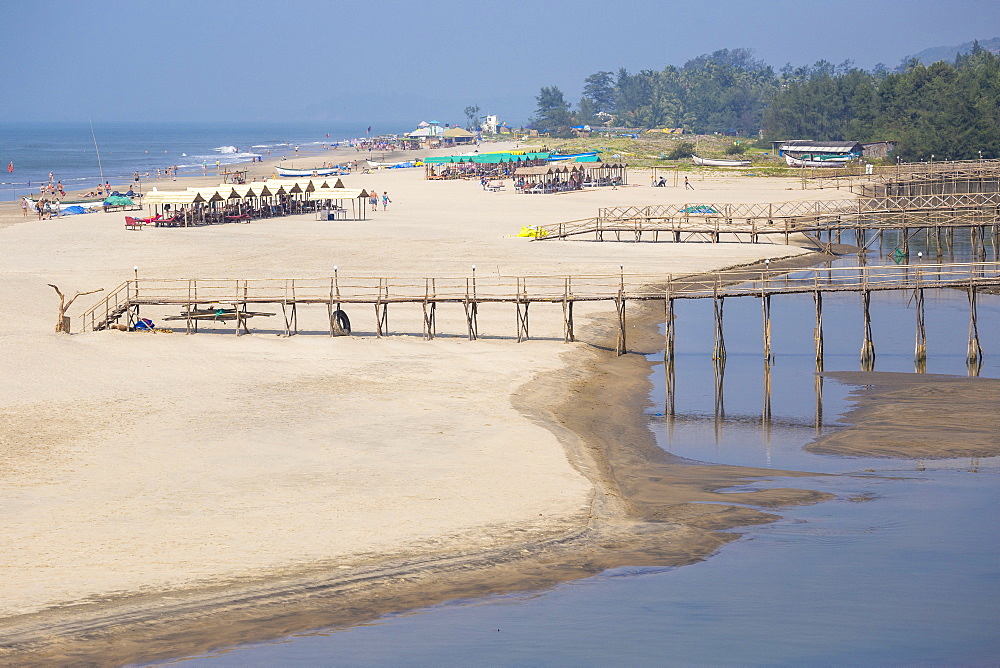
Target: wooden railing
[530,289]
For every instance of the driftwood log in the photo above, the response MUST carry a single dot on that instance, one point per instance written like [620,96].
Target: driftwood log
[62,324]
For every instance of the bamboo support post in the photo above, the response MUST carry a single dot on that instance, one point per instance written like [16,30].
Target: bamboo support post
[765,415]
[382,310]
[236,311]
[719,350]
[187,308]
[522,321]
[669,328]
[765,303]
[430,307]
[818,413]
[920,346]
[568,334]
[522,310]
[471,307]
[818,330]
[867,344]
[671,388]
[720,398]
[974,353]
[620,345]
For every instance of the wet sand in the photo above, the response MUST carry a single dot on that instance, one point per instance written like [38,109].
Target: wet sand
[916,416]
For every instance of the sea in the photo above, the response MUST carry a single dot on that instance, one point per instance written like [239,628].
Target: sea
[81,156]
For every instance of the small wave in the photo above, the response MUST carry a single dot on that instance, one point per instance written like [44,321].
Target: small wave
[225,149]
[224,159]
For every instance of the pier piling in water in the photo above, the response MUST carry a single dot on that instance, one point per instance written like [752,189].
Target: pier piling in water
[974,355]
[867,343]
[818,330]
[719,350]
[920,346]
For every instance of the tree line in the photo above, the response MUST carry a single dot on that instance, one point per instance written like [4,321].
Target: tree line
[949,109]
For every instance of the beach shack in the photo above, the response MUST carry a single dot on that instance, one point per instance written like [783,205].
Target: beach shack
[478,165]
[457,136]
[331,202]
[182,208]
[552,178]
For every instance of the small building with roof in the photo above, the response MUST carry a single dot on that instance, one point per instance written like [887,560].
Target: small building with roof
[808,149]
[457,136]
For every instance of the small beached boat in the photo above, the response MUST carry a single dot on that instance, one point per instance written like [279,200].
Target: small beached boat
[817,161]
[573,156]
[373,164]
[713,162]
[316,171]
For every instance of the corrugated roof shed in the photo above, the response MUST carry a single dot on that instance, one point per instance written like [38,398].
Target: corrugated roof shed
[802,146]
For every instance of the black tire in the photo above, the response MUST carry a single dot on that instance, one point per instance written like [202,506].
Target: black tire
[343,323]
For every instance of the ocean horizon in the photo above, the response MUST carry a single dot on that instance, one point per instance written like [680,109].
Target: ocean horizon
[68,149]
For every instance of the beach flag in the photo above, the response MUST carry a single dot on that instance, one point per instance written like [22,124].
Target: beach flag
[10,167]
[369,129]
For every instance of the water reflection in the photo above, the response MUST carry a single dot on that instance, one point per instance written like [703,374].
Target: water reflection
[835,317]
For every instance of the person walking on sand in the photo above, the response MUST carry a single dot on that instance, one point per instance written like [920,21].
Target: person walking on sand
[24,208]
[373,200]
[687,184]
[385,200]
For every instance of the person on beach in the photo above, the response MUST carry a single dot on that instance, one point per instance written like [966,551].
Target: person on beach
[24,208]
[373,200]
[687,184]
[385,200]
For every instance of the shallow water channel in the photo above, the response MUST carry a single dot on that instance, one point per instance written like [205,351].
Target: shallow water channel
[903,567]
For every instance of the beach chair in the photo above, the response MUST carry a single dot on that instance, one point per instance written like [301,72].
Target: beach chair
[132,224]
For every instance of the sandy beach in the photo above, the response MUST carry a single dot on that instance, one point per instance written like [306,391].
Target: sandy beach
[283,483]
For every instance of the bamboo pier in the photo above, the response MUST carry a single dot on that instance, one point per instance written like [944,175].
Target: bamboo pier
[814,219]
[907,178]
[232,303]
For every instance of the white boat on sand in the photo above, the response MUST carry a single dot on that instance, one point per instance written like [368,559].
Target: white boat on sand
[837,161]
[310,171]
[713,162]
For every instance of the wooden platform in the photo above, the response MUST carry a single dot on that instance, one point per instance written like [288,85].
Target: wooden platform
[194,298]
[749,223]
[858,178]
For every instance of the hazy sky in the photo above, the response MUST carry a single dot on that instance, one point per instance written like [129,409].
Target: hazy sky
[299,60]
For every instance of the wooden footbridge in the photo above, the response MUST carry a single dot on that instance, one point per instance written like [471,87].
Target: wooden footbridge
[908,178]
[235,303]
[750,223]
